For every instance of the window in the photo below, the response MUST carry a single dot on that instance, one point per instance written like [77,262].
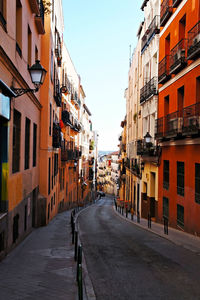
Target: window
[2,239]
[51,203]
[16,141]
[197,183]
[180,178]
[165,207]
[50,118]
[29,47]
[166,175]
[25,217]
[49,177]
[27,144]
[180,215]
[198,89]
[48,210]
[34,144]
[3,13]
[15,228]
[18,27]
[55,164]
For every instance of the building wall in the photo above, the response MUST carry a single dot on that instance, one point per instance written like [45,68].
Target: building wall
[181,148]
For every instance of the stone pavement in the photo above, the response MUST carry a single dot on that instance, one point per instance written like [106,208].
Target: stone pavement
[42,266]
[183,239]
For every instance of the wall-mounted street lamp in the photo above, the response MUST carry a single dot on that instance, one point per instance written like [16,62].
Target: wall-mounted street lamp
[147,138]
[37,73]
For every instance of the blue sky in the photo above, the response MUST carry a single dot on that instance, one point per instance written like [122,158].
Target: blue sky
[98,35]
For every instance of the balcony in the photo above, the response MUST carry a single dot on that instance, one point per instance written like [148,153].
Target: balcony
[176,3]
[180,124]
[154,28]
[191,120]
[56,135]
[39,18]
[172,124]
[34,5]
[163,70]
[178,57]
[193,42]
[149,90]
[165,11]
[57,93]
[66,117]
[66,154]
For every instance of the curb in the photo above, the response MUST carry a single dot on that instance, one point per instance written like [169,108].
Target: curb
[167,237]
[88,287]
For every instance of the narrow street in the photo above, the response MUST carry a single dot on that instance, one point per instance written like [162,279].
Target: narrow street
[128,262]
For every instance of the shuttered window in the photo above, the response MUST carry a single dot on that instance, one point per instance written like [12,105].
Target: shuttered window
[27,144]
[16,141]
[166,174]
[197,183]
[180,178]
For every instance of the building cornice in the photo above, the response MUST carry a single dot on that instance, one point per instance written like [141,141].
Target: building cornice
[18,77]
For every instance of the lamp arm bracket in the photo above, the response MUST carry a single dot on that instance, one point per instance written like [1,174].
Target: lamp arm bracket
[20,92]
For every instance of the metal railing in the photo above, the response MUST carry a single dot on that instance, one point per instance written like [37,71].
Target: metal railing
[56,136]
[41,8]
[149,89]
[153,28]
[163,69]
[183,122]
[176,3]
[159,128]
[178,56]
[193,42]
[165,11]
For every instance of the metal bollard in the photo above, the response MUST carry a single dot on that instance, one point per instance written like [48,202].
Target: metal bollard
[126,212]
[80,282]
[79,260]
[76,246]
[165,226]
[149,221]
[138,217]
[73,230]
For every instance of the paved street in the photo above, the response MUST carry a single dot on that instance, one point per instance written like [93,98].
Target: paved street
[42,266]
[127,262]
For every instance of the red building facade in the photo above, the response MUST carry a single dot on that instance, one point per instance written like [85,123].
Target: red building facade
[178,123]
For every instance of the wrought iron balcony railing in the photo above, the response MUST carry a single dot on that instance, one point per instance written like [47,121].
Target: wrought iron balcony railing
[154,28]
[163,70]
[56,136]
[150,89]
[176,3]
[159,128]
[178,57]
[194,42]
[66,118]
[165,11]
[191,119]
[39,18]
[181,123]
[57,93]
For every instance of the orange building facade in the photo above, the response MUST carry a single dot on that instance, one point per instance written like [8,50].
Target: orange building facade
[41,169]
[178,123]
[20,44]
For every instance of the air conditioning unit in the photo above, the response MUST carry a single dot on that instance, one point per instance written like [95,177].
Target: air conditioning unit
[179,54]
[196,39]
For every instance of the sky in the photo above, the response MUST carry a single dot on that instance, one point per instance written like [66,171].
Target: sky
[98,35]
